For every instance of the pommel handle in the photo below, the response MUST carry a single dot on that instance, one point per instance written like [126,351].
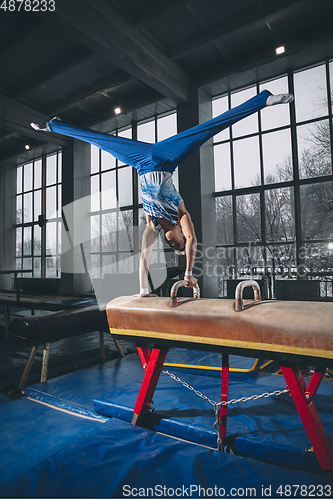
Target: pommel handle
[176,286]
[239,305]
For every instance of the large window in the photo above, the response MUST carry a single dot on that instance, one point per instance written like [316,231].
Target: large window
[38,207]
[112,202]
[117,218]
[273,184]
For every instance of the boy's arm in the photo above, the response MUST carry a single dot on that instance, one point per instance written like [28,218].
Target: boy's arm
[147,244]
[190,246]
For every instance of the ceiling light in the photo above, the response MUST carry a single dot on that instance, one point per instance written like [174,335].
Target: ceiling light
[117,111]
[279,50]
[27,146]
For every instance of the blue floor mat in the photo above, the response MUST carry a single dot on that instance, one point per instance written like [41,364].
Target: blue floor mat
[118,460]
[83,386]
[3,398]
[269,429]
[240,366]
[31,432]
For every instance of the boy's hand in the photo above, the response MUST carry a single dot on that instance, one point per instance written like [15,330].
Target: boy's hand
[191,281]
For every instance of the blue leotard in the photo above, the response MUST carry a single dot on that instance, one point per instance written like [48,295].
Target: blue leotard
[160,198]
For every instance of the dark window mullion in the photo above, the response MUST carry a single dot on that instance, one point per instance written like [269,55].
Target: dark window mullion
[294,152]
[43,229]
[329,102]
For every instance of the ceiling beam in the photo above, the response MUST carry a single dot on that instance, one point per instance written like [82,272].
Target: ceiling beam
[158,10]
[8,105]
[6,29]
[196,16]
[131,106]
[22,40]
[233,28]
[98,26]
[294,46]
[28,132]
[101,88]
[15,69]
[17,117]
[63,65]
[7,136]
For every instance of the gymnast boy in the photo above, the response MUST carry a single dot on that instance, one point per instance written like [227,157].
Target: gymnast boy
[163,206]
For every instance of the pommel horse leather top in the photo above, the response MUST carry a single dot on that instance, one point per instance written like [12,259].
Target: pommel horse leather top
[279,329]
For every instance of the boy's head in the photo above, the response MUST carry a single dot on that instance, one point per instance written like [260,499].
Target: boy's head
[175,239]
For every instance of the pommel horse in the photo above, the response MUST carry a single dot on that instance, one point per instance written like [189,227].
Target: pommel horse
[293,333]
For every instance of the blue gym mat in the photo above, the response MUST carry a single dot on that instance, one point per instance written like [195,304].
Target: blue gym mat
[85,386]
[31,432]
[117,460]
[3,398]
[269,428]
[63,451]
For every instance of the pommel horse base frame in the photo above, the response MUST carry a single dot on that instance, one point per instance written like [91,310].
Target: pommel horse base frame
[302,394]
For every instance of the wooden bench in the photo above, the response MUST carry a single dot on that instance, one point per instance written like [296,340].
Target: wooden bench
[47,328]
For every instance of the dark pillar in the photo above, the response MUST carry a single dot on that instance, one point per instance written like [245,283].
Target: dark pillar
[75,259]
[7,221]
[196,185]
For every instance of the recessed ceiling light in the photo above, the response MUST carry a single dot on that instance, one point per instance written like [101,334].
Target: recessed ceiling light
[117,111]
[279,50]
[27,146]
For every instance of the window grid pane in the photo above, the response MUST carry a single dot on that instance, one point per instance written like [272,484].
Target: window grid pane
[272,156]
[314,149]
[247,162]
[29,207]
[310,93]
[114,240]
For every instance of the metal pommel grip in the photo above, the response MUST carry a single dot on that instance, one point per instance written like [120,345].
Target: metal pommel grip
[239,304]
[176,286]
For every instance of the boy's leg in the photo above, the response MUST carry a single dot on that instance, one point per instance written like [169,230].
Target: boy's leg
[178,148]
[172,151]
[132,152]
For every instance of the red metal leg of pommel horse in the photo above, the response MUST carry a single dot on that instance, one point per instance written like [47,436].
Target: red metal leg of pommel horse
[224,397]
[303,399]
[152,363]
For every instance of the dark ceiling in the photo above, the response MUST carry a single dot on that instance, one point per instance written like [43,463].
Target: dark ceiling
[88,57]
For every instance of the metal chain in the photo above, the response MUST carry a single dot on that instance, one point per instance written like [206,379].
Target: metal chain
[217,406]
[231,401]
[217,427]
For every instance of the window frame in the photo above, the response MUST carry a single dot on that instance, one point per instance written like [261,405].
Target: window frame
[295,184]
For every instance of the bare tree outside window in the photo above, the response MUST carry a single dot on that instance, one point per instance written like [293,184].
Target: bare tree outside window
[268,246]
